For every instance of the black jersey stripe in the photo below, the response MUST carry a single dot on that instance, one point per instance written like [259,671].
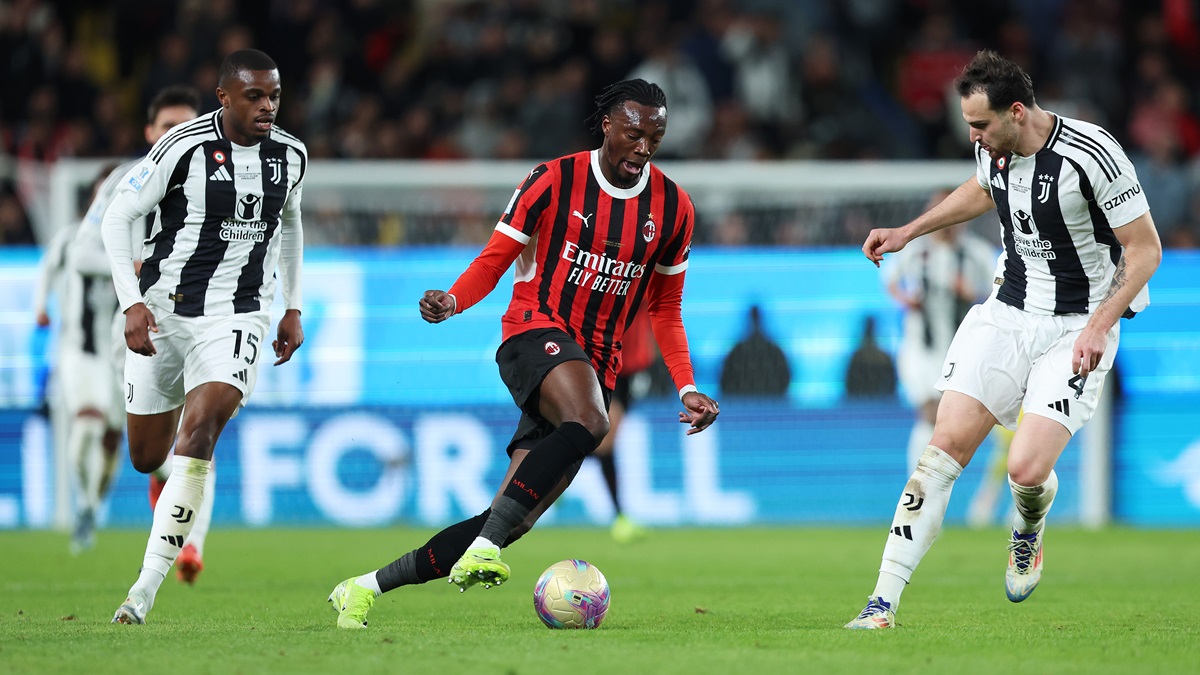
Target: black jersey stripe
[626,306]
[1012,291]
[250,281]
[1054,133]
[1101,228]
[587,234]
[1071,284]
[1103,167]
[87,318]
[172,212]
[601,351]
[220,201]
[566,173]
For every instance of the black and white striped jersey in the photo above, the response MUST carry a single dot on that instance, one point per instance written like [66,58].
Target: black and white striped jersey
[87,248]
[1058,210]
[224,210]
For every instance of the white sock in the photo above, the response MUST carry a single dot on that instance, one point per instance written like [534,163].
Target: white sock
[174,518]
[163,472]
[369,581]
[204,514]
[86,457]
[917,522]
[1033,503]
[918,438]
[480,542]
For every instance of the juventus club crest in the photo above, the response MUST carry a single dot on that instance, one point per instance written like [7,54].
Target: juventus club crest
[274,169]
[649,228]
[1044,182]
[249,207]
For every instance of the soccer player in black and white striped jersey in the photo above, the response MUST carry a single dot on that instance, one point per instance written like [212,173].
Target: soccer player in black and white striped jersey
[1079,247]
[227,186]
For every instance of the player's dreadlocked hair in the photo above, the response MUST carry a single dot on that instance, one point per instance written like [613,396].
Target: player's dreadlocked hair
[638,91]
[244,59]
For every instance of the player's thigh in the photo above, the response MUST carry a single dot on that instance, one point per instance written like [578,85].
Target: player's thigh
[1035,449]
[961,425]
[988,360]
[228,350]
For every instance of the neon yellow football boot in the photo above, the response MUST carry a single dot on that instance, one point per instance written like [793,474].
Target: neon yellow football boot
[352,602]
[479,566]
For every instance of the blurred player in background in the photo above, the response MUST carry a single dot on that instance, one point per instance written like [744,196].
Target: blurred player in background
[227,186]
[1079,248]
[638,353]
[594,234]
[88,386]
[170,107]
[936,279]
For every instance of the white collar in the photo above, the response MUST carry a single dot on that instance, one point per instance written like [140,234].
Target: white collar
[614,191]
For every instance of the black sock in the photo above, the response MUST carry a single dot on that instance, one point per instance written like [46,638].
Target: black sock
[608,466]
[433,560]
[539,473]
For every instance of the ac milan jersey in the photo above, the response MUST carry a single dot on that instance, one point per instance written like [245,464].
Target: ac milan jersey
[591,251]
[1058,210]
[221,206]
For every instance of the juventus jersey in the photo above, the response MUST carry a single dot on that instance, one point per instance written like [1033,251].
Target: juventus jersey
[87,249]
[1058,210]
[591,250]
[221,207]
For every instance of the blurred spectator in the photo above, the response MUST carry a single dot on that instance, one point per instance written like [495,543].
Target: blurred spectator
[756,366]
[871,372]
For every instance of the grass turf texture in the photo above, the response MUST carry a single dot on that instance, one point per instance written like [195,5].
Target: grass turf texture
[684,601]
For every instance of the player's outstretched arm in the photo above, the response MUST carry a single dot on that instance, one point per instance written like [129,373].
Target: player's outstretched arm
[289,337]
[968,201]
[436,306]
[700,411]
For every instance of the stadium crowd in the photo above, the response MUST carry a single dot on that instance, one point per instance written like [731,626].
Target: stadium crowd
[512,79]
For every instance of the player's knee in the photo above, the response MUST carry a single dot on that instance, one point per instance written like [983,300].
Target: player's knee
[1028,473]
[596,422]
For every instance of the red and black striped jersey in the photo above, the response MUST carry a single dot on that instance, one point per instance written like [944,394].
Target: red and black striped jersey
[587,255]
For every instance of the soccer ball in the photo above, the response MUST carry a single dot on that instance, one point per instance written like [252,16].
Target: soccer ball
[571,594]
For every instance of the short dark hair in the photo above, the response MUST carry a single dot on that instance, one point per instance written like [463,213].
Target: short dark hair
[638,91]
[244,59]
[170,97]
[1002,80]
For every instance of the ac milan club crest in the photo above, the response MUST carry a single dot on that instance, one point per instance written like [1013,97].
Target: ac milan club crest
[552,348]
[648,229]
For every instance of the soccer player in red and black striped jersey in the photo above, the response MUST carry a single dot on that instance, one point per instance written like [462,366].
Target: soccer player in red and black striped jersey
[597,237]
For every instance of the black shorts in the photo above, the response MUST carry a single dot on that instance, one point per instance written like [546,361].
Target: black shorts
[524,360]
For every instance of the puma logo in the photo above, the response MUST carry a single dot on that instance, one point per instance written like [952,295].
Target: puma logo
[585,220]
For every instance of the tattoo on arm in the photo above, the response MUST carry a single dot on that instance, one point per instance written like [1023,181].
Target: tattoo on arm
[1118,281]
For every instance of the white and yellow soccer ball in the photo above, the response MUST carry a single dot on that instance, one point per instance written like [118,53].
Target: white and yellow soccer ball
[571,594]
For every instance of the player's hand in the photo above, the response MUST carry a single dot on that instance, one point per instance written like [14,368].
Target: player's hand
[139,324]
[1088,350]
[883,240]
[43,319]
[701,412]
[289,337]
[436,306]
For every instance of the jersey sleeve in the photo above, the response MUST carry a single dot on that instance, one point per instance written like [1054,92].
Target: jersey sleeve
[529,201]
[1116,185]
[666,298]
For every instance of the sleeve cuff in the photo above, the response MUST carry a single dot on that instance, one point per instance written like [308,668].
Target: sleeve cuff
[687,389]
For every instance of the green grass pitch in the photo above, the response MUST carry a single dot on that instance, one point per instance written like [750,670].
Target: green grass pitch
[684,601]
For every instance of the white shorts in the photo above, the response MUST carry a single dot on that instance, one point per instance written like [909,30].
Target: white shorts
[193,351]
[1007,358]
[91,381]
